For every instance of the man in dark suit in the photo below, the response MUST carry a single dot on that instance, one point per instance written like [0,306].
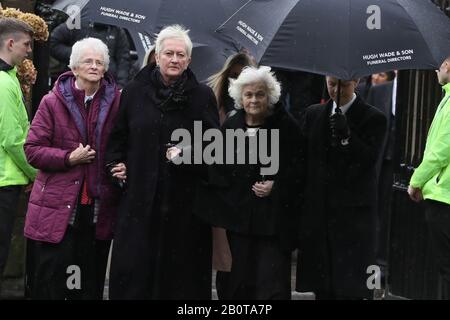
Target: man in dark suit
[381,96]
[338,221]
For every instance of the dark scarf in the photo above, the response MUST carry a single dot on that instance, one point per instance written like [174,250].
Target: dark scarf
[4,66]
[172,97]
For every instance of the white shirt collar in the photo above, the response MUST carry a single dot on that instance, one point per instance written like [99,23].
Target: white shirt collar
[86,97]
[345,107]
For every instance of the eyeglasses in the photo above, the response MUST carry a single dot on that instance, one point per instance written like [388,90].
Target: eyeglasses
[91,62]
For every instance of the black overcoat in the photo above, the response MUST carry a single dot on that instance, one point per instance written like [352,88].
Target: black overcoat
[231,203]
[260,230]
[338,221]
[161,249]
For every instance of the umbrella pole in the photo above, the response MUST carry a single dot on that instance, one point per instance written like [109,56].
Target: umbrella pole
[338,98]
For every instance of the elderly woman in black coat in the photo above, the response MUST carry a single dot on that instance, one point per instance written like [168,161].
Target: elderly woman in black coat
[161,250]
[256,200]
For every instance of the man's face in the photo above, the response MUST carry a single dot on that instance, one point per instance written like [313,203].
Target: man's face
[443,74]
[379,78]
[19,47]
[172,59]
[347,89]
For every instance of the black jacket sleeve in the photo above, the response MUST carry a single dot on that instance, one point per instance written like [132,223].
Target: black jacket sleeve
[122,58]
[116,148]
[61,41]
[365,145]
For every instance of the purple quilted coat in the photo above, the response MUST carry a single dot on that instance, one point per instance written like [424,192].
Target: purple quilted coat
[57,129]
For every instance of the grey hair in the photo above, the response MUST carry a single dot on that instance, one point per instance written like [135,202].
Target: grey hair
[88,43]
[173,32]
[251,75]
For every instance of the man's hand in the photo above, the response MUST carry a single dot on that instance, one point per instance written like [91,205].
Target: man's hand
[172,153]
[81,155]
[339,127]
[262,189]
[415,194]
[119,171]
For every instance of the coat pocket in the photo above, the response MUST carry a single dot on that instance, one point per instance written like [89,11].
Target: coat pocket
[39,187]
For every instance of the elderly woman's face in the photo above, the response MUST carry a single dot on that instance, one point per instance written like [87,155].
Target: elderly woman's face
[172,59]
[91,67]
[255,99]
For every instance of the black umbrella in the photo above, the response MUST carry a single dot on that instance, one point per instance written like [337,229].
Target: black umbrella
[201,17]
[134,15]
[63,5]
[144,18]
[344,38]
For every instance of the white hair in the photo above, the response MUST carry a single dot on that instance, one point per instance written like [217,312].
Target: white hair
[82,45]
[251,75]
[173,32]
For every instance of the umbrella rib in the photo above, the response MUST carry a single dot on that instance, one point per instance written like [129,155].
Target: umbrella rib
[347,60]
[243,6]
[419,28]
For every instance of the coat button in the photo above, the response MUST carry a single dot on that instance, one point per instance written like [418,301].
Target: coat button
[68,206]
[77,182]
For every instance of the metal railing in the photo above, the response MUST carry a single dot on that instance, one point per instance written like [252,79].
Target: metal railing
[411,271]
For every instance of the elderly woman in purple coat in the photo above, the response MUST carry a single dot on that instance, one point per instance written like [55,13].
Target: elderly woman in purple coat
[71,208]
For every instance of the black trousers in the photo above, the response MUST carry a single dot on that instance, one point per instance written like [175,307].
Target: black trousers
[9,200]
[79,254]
[222,281]
[384,212]
[437,215]
[261,270]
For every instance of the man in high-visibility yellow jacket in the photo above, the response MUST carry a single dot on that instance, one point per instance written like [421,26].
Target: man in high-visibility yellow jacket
[431,180]
[15,172]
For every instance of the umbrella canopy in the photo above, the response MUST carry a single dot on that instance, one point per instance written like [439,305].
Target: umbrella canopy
[136,15]
[63,5]
[144,18]
[75,9]
[201,17]
[344,38]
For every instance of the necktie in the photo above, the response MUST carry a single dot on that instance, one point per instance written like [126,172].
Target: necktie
[88,102]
